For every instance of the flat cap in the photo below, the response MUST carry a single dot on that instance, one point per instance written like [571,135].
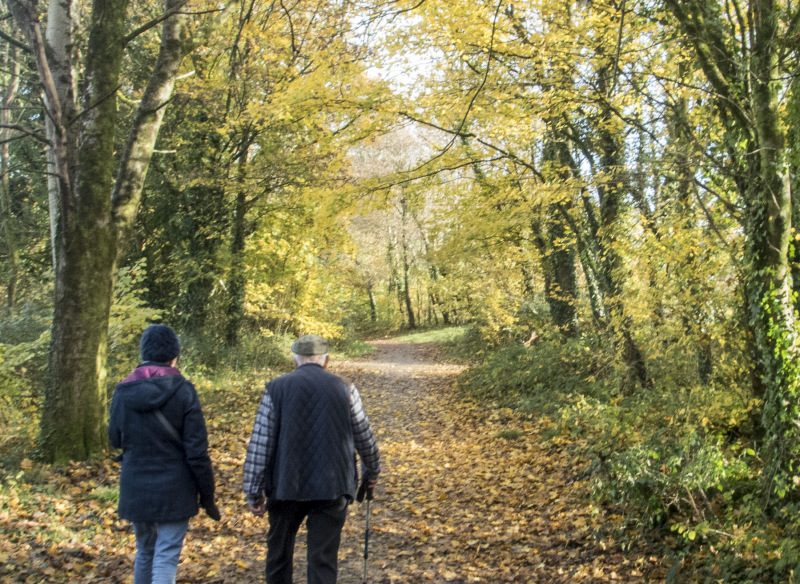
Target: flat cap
[309,345]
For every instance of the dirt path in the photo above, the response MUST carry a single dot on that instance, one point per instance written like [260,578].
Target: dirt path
[466,495]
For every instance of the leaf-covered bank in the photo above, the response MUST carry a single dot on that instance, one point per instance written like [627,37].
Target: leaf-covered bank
[678,461]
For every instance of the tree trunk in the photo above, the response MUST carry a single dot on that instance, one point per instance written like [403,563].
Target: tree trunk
[203,219]
[394,282]
[138,151]
[611,195]
[237,279]
[769,232]
[373,308]
[793,136]
[412,323]
[565,287]
[73,416]
[694,319]
[86,226]
[6,214]
[556,251]
[748,99]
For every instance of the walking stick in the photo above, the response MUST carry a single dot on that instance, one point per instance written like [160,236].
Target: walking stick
[364,490]
[366,544]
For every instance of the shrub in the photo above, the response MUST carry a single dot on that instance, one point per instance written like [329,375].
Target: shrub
[542,378]
[128,318]
[678,459]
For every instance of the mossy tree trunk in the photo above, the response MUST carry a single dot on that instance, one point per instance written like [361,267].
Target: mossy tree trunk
[748,101]
[88,223]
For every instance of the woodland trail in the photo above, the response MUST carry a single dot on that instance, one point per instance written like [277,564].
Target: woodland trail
[456,502]
[467,494]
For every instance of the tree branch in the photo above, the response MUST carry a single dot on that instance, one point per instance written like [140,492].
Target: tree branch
[27,19]
[615,70]
[713,55]
[155,22]
[25,132]
[461,134]
[11,40]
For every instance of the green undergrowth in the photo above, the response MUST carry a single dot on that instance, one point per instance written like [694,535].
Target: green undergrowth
[678,460]
[215,368]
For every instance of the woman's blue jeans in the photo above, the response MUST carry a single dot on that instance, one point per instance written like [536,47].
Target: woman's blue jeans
[158,549]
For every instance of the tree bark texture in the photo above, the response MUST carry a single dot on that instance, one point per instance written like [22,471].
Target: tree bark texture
[73,416]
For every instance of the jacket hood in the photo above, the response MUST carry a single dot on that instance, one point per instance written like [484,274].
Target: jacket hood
[149,393]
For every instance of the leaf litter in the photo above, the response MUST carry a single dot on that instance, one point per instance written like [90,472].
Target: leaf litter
[468,494]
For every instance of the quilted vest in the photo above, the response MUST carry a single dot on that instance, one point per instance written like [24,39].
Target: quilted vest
[314,456]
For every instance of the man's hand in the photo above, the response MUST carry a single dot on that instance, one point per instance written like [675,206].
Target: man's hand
[258,510]
[365,489]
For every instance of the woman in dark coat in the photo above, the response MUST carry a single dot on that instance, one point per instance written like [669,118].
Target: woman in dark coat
[157,421]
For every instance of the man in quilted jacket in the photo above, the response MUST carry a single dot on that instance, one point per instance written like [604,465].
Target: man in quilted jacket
[300,462]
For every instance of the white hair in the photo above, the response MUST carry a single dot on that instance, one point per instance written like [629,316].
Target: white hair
[302,359]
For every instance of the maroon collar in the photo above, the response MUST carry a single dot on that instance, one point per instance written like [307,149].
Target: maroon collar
[145,371]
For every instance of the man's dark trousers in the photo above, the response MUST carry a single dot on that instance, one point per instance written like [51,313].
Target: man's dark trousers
[325,520]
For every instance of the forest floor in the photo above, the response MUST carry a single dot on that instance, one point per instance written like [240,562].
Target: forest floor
[467,494]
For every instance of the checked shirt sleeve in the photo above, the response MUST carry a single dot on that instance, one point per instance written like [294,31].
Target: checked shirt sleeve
[259,452]
[364,439]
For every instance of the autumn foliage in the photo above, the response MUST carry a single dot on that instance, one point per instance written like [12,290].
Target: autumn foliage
[596,197]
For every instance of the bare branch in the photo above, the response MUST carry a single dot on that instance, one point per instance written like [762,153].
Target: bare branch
[25,133]
[19,44]
[732,209]
[155,22]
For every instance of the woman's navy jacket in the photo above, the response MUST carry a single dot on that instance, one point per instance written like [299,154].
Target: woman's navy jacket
[161,479]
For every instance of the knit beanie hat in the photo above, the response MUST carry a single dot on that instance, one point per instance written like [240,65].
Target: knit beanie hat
[159,344]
